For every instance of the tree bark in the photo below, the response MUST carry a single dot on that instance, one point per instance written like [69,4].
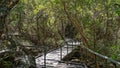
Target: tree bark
[78,27]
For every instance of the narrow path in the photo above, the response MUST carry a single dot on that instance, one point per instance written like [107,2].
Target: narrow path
[53,58]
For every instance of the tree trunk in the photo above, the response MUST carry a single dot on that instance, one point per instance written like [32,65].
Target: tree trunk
[2,25]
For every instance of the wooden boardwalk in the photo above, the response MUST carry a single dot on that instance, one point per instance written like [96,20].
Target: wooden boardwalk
[53,58]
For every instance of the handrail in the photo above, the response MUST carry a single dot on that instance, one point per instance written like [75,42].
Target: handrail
[91,51]
[102,56]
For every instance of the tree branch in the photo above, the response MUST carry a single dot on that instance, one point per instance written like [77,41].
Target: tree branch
[77,25]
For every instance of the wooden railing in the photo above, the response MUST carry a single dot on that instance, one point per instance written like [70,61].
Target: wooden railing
[98,58]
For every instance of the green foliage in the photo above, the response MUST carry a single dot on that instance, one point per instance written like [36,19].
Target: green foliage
[7,64]
[38,8]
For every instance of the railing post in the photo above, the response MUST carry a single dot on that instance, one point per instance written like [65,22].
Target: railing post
[96,63]
[67,53]
[72,44]
[95,60]
[61,52]
[86,55]
[82,51]
[115,65]
[67,48]
[45,56]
